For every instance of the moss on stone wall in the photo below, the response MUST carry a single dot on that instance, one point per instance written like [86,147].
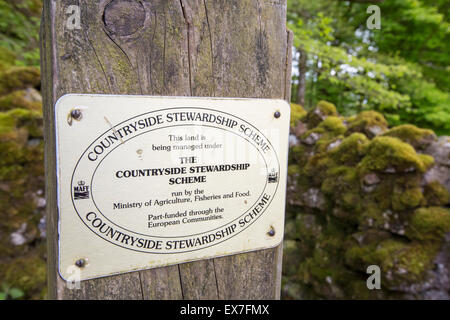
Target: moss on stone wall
[359,195]
[429,224]
[417,137]
[297,113]
[22,231]
[387,154]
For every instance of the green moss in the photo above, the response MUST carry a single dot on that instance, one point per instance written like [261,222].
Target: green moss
[356,289]
[317,130]
[427,160]
[371,123]
[361,213]
[291,257]
[29,119]
[429,224]
[371,236]
[7,58]
[334,125]
[318,269]
[322,111]
[28,273]
[350,150]
[316,168]
[417,137]
[407,263]
[436,194]
[406,199]
[342,186]
[293,170]
[328,131]
[21,176]
[324,270]
[377,202]
[344,173]
[19,160]
[407,193]
[18,100]
[297,113]
[308,229]
[327,141]
[298,155]
[327,108]
[387,153]
[15,78]
[318,266]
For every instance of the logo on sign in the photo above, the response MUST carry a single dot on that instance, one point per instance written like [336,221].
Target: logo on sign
[272,177]
[81,191]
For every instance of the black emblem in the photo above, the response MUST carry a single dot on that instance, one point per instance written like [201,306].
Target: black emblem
[81,191]
[272,177]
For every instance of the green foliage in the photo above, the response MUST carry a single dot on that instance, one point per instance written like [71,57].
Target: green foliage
[401,70]
[8,293]
[19,29]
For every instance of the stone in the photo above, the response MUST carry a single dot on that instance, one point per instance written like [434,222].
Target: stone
[440,172]
[371,179]
[314,198]
[440,151]
[311,139]
[375,130]
[334,145]
[18,238]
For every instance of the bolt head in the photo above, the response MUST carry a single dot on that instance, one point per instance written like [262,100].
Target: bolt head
[76,114]
[80,263]
[277,114]
[271,232]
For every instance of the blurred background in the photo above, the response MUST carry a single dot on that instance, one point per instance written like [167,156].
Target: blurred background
[369,170]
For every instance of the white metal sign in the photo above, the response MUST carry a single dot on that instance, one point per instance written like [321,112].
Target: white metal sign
[146,182]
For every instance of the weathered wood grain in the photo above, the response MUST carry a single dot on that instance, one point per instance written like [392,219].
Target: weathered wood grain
[235,48]
[161,284]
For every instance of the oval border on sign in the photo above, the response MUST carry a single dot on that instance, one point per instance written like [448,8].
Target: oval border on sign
[185,251]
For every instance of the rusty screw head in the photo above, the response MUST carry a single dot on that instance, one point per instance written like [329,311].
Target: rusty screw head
[277,114]
[76,114]
[271,232]
[80,263]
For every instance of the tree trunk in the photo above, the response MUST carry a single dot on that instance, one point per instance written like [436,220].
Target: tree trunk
[301,89]
[166,48]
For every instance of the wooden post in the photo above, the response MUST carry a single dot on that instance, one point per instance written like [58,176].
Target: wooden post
[235,48]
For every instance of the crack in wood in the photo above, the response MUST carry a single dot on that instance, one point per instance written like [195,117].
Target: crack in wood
[215,277]
[98,60]
[211,48]
[288,66]
[181,282]
[164,49]
[187,14]
[126,56]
